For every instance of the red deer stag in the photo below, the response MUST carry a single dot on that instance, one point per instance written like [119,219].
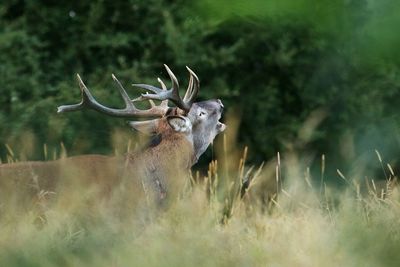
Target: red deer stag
[182,133]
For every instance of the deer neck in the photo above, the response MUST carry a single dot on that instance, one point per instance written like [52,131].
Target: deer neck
[180,146]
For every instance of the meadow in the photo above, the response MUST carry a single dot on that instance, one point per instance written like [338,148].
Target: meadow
[218,222]
[318,82]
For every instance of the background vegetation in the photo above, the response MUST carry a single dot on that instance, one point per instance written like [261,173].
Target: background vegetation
[275,64]
[316,80]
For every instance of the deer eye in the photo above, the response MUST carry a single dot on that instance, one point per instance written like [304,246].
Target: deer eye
[202,113]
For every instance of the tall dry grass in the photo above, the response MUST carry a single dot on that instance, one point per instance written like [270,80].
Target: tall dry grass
[275,214]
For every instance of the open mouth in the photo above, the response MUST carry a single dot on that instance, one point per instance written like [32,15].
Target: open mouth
[221,127]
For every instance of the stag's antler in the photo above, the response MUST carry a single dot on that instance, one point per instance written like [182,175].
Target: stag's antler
[130,110]
[173,93]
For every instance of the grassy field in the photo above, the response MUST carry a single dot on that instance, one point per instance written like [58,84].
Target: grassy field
[305,224]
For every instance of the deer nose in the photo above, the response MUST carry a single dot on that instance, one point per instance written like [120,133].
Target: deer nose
[220,103]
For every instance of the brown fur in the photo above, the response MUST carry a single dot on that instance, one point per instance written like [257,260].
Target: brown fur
[153,174]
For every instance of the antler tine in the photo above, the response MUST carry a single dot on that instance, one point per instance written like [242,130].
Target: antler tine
[123,93]
[193,88]
[164,103]
[163,86]
[174,81]
[189,89]
[152,104]
[88,101]
[160,94]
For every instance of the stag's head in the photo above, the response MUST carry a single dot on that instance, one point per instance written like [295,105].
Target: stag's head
[197,121]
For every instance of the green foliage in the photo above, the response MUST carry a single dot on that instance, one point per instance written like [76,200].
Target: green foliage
[273,63]
[290,59]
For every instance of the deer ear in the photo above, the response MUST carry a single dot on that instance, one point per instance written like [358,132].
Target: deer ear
[148,127]
[179,124]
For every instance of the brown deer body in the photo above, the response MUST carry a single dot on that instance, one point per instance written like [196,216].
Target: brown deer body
[156,173]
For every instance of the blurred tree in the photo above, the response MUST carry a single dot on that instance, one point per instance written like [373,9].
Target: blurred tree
[273,62]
